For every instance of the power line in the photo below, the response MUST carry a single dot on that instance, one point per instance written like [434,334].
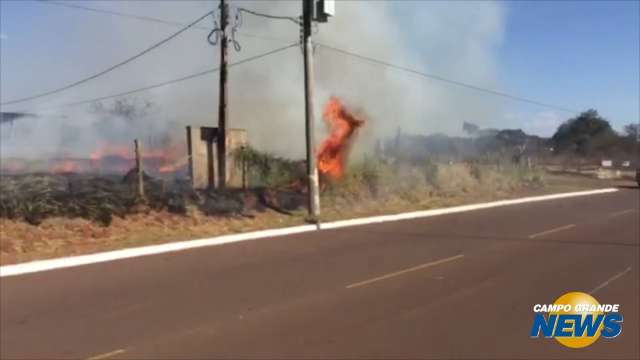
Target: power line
[111,68]
[453,82]
[193,25]
[173,81]
[268,16]
[117,13]
[262,37]
[151,19]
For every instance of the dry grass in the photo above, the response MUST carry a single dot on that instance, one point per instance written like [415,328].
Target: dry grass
[384,194]
[55,237]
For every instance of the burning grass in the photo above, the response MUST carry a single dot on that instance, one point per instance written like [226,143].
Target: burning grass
[48,215]
[369,187]
[62,212]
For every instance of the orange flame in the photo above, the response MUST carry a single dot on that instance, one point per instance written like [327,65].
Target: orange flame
[167,169]
[106,158]
[162,159]
[175,166]
[66,166]
[333,153]
[103,150]
[12,166]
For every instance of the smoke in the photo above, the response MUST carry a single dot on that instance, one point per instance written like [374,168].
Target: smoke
[458,40]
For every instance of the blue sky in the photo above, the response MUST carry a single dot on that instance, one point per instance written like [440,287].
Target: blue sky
[576,54]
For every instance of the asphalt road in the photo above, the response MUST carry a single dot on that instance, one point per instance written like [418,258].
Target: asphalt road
[453,286]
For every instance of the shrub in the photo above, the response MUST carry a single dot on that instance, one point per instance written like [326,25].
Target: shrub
[430,172]
[475,171]
[370,176]
[455,177]
[265,169]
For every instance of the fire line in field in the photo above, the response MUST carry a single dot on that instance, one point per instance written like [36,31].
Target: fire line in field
[120,158]
[334,150]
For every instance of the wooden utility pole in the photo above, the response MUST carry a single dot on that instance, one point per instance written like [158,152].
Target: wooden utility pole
[222,103]
[312,169]
[138,152]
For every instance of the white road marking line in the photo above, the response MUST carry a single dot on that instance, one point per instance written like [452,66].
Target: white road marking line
[71,261]
[551,231]
[618,213]
[610,280]
[458,209]
[107,355]
[401,272]
[65,262]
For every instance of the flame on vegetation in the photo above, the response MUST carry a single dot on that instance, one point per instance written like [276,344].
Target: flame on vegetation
[121,158]
[334,150]
[66,166]
[104,150]
[174,166]
[106,158]
[165,159]
[11,166]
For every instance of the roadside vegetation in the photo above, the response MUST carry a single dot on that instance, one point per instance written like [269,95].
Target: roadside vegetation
[47,215]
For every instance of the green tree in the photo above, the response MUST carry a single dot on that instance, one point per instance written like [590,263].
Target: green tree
[632,130]
[583,134]
[470,128]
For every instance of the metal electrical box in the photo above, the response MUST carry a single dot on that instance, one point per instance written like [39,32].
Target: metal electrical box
[324,9]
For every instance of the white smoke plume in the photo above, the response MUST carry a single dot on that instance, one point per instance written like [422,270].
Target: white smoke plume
[458,40]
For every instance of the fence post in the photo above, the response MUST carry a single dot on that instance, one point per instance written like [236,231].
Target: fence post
[138,150]
[245,169]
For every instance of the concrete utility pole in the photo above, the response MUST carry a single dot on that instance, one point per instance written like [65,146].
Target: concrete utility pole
[222,104]
[312,169]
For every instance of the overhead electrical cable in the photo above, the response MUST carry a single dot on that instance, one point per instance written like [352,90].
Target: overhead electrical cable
[173,81]
[153,19]
[449,81]
[109,69]
[194,25]
[121,14]
[268,16]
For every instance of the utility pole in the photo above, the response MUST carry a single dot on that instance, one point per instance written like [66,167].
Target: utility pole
[312,170]
[222,103]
